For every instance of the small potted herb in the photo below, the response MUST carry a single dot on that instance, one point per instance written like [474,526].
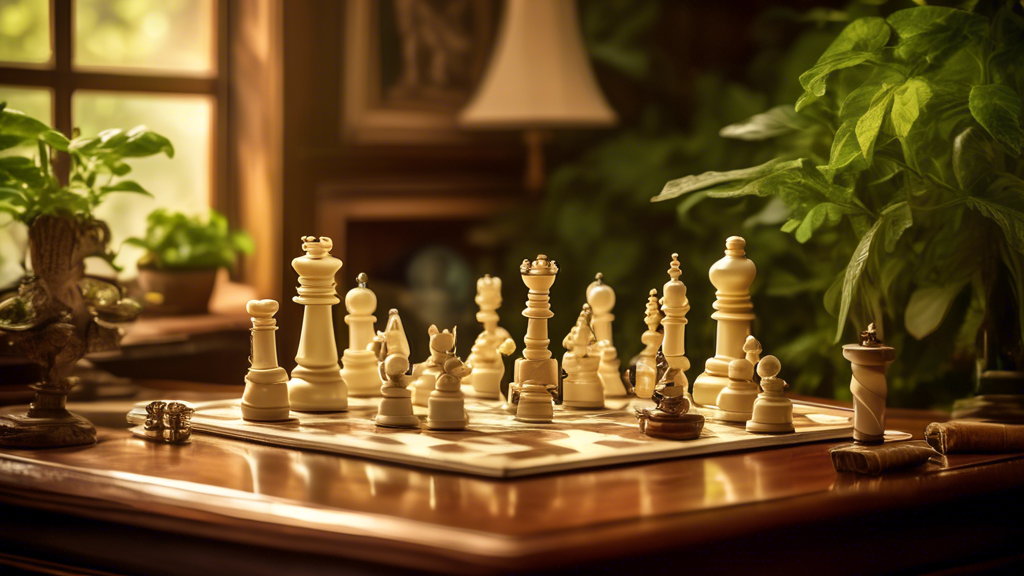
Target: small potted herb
[183,254]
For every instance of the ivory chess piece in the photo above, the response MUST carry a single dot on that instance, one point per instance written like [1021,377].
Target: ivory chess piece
[674,307]
[773,412]
[736,401]
[752,350]
[316,384]
[647,366]
[446,407]
[536,373]
[493,343]
[734,312]
[582,386]
[391,348]
[869,360]
[425,377]
[671,418]
[266,385]
[358,364]
[601,298]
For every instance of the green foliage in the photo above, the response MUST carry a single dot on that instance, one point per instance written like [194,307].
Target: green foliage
[923,180]
[175,241]
[29,187]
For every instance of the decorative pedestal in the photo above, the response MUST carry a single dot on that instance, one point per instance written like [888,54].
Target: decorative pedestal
[47,423]
[869,360]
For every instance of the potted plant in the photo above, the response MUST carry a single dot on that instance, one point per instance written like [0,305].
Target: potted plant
[58,315]
[183,254]
[905,153]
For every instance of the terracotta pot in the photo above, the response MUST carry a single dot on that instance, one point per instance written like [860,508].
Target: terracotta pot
[177,291]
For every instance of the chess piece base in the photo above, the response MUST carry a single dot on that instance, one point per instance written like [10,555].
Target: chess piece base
[535,405]
[762,428]
[406,421]
[729,416]
[59,430]
[681,427]
[361,374]
[707,387]
[317,391]
[486,382]
[864,439]
[611,380]
[263,414]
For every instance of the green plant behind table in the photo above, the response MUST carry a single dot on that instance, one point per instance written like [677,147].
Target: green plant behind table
[175,241]
[29,187]
[909,164]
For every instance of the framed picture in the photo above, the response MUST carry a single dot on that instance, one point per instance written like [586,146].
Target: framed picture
[411,65]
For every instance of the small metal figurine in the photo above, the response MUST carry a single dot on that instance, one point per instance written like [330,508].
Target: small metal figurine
[869,337]
[169,422]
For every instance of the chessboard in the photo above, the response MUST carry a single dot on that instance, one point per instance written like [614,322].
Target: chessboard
[496,445]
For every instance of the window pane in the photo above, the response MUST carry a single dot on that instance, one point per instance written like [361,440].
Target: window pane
[146,36]
[25,31]
[36,102]
[181,183]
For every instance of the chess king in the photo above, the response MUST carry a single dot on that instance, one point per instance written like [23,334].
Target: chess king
[734,312]
[536,373]
[493,343]
[316,384]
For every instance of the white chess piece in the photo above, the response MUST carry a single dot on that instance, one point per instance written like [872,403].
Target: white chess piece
[647,365]
[266,385]
[446,407]
[316,384]
[736,401]
[773,412]
[359,365]
[493,343]
[869,360]
[582,387]
[536,373]
[601,298]
[425,377]
[674,306]
[734,312]
[395,410]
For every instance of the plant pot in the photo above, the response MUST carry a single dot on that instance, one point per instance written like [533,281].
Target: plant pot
[177,291]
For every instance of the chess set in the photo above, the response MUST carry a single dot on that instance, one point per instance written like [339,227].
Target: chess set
[455,415]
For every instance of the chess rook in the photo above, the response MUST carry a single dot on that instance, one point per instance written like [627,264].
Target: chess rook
[674,307]
[493,343]
[647,365]
[266,385]
[601,299]
[359,365]
[316,384]
[582,386]
[392,349]
[734,312]
[869,360]
[773,412]
[536,373]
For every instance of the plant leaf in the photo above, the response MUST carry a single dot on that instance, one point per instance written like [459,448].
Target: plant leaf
[55,140]
[693,183]
[826,212]
[125,186]
[927,308]
[934,33]
[997,109]
[854,270]
[871,122]
[898,217]
[20,125]
[846,153]
[857,43]
[772,123]
[975,159]
[908,100]
[1003,202]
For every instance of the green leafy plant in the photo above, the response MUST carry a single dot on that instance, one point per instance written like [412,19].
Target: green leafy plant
[175,241]
[903,156]
[30,188]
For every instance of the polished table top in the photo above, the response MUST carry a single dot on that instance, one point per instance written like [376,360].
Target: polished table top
[354,508]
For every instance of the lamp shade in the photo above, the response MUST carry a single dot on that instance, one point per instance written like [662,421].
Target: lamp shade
[539,75]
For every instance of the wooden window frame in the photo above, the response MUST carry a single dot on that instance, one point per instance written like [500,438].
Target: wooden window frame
[63,80]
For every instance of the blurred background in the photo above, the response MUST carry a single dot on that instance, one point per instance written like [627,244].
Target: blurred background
[343,119]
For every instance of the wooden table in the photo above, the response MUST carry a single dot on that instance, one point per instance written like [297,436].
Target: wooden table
[227,507]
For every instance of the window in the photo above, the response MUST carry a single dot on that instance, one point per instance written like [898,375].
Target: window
[97,64]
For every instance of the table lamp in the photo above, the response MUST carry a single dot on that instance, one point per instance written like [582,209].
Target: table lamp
[538,78]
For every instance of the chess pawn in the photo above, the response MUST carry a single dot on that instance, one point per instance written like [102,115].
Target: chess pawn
[869,360]
[359,365]
[736,402]
[392,349]
[773,412]
[426,377]
[647,365]
[266,385]
[601,298]
[492,343]
[536,373]
[582,387]
[446,408]
[316,384]
[734,312]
